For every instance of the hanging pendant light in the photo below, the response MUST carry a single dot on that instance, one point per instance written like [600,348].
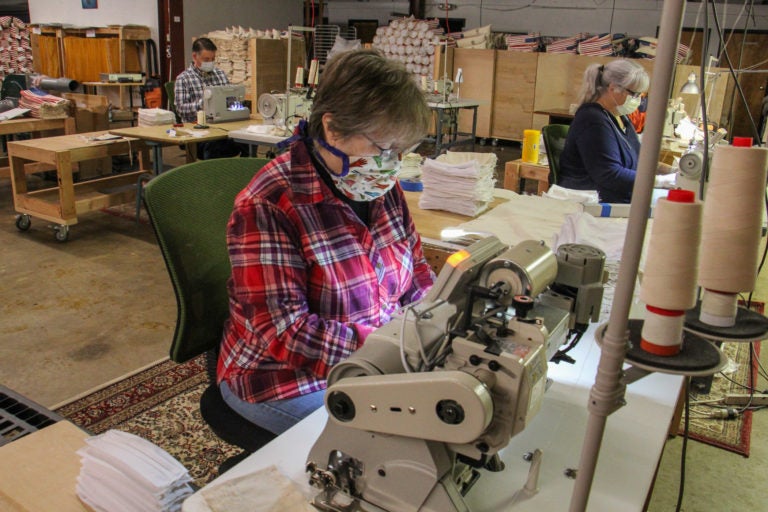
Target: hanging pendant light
[690,87]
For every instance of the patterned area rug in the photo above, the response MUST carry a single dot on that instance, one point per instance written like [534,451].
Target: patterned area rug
[734,434]
[160,404]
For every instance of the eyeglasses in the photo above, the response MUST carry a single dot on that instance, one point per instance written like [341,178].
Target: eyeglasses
[390,153]
[633,93]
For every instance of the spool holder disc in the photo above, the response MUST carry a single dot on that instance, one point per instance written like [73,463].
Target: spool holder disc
[750,326]
[698,357]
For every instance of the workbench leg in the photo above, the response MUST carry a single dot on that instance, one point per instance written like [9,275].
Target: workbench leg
[512,176]
[67,208]
[69,126]
[18,175]
[438,132]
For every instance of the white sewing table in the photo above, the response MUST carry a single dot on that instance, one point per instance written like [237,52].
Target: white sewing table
[255,139]
[632,444]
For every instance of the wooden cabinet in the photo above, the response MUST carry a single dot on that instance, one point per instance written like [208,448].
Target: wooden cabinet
[82,54]
[558,81]
[476,66]
[268,61]
[514,91]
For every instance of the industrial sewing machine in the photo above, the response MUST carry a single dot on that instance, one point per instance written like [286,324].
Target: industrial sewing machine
[434,394]
[222,103]
[284,110]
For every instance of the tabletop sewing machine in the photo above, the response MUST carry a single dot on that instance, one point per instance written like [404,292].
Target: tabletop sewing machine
[433,395]
[223,103]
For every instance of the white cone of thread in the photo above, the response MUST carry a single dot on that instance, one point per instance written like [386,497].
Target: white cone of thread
[662,334]
[732,222]
[718,309]
[669,278]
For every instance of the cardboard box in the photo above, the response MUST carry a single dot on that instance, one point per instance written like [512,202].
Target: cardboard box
[91,115]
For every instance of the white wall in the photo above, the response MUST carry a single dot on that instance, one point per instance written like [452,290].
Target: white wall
[110,12]
[200,16]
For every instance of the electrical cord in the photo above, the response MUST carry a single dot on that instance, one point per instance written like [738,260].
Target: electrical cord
[686,426]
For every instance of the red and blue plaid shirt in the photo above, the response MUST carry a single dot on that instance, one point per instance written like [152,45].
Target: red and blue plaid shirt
[309,280]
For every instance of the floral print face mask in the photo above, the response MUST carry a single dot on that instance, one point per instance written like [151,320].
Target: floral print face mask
[365,178]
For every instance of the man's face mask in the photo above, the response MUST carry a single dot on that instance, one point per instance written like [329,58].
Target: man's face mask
[206,67]
[364,178]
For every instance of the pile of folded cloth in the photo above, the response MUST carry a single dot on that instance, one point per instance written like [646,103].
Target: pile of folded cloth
[43,105]
[458,182]
[600,45]
[155,117]
[121,471]
[523,43]
[566,44]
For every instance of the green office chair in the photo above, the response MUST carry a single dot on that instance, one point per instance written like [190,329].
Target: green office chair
[171,95]
[554,141]
[189,207]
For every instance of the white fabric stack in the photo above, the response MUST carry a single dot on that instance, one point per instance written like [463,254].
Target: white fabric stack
[458,182]
[121,471]
[155,117]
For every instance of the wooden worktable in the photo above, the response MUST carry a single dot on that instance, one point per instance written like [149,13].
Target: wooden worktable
[429,224]
[39,471]
[36,126]
[62,204]
[158,136]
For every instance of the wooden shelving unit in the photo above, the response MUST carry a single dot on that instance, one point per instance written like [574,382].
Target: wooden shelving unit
[84,53]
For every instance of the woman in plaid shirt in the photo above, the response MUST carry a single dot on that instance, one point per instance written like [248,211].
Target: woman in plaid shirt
[322,245]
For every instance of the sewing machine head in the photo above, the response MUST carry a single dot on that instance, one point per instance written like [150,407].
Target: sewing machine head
[435,393]
[222,103]
[283,110]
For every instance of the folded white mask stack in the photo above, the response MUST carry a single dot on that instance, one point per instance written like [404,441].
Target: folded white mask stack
[121,471]
[458,182]
[155,117]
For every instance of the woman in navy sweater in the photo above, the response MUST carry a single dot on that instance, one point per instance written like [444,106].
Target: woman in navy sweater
[602,147]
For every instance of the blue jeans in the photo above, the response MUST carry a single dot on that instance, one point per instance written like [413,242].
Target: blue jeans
[277,416]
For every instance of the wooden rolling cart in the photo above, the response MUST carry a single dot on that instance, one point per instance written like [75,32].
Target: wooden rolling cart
[61,205]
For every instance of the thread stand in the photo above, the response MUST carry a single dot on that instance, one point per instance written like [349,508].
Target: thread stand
[697,357]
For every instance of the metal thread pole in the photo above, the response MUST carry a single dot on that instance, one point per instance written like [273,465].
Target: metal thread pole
[607,394]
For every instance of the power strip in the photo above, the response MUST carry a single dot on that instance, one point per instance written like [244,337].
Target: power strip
[746,399]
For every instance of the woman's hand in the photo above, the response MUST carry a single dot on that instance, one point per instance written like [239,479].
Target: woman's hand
[663,168]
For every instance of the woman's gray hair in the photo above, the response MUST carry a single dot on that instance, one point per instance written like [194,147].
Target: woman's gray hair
[622,72]
[368,94]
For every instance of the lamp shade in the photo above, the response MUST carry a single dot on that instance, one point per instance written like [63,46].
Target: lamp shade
[690,87]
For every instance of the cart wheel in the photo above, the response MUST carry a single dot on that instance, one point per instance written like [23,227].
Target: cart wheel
[61,233]
[23,222]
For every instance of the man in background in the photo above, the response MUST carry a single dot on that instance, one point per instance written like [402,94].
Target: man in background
[188,95]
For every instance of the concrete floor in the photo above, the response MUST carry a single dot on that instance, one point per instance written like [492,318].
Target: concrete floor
[79,314]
